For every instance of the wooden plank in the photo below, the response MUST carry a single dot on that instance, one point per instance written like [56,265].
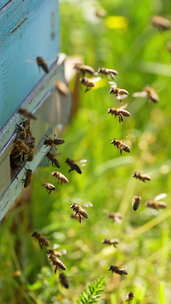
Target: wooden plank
[52,110]
[27,29]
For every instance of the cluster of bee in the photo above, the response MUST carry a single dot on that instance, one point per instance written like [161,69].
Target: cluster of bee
[24,144]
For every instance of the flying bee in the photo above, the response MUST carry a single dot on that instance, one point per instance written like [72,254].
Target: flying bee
[156,204]
[84,69]
[161,23]
[28,177]
[118,270]
[130,297]
[61,87]
[112,242]
[76,216]
[79,211]
[53,142]
[53,160]
[27,114]
[142,177]
[49,187]
[100,13]
[109,72]
[73,166]
[43,242]
[56,261]
[119,93]
[42,64]
[115,216]
[88,83]
[121,146]
[51,252]
[120,112]
[64,280]
[61,178]
[149,93]
[136,202]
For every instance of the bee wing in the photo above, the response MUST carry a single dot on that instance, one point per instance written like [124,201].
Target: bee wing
[96,79]
[83,162]
[160,196]
[121,97]
[88,204]
[140,94]
[124,106]
[61,58]
[113,84]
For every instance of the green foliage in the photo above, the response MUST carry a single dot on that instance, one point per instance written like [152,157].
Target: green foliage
[92,293]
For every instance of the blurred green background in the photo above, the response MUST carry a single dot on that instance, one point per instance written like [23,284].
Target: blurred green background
[124,40]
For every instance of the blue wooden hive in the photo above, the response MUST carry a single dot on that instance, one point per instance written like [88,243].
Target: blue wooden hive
[28,28]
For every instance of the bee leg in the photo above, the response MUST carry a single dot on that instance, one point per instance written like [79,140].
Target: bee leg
[79,218]
[86,90]
[56,268]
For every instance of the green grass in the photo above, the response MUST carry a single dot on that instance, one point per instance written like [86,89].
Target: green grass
[106,181]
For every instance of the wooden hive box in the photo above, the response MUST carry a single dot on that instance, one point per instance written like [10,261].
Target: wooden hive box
[28,28]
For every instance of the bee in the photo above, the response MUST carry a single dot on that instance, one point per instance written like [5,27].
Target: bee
[63,280]
[155,204]
[141,176]
[118,270]
[30,141]
[28,177]
[149,93]
[121,146]
[161,23]
[27,114]
[22,146]
[62,178]
[53,141]
[136,202]
[87,83]
[113,242]
[76,216]
[26,128]
[115,216]
[119,93]
[130,297]
[54,252]
[61,87]
[30,156]
[100,13]
[109,72]
[120,112]
[42,64]
[53,160]
[73,166]
[79,211]
[56,261]
[49,187]
[84,69]
[43,242]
